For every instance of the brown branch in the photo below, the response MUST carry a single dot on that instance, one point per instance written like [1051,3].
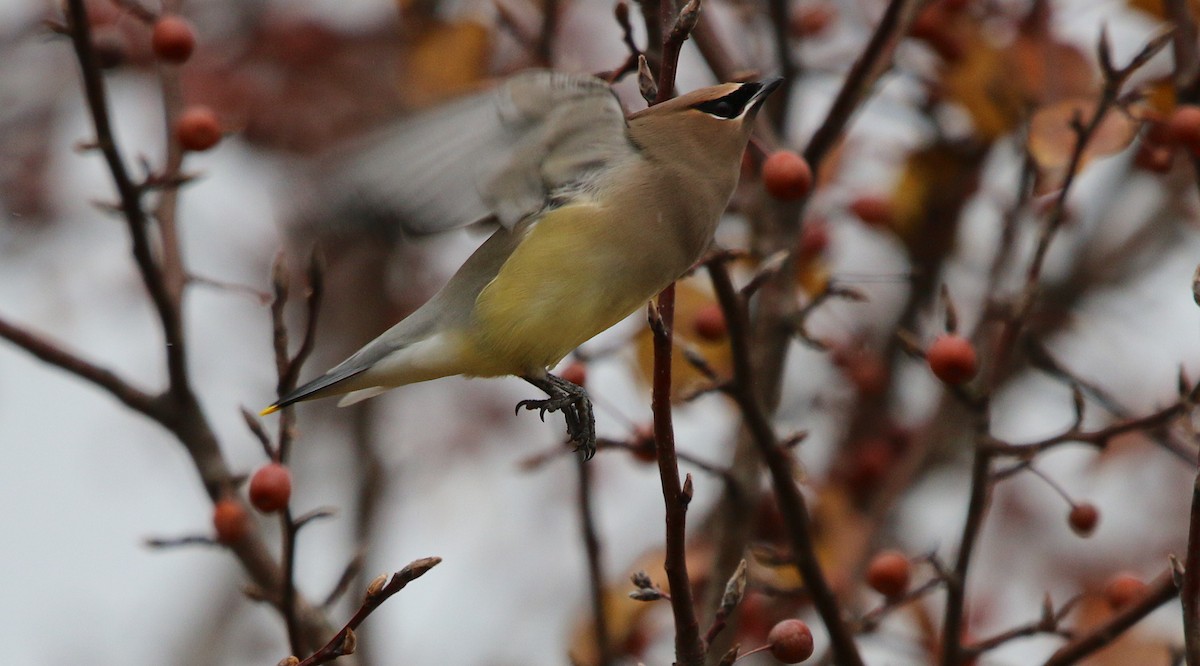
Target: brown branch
[178,409]
[380,591]
[1048,623]
[682,24]
[591,543]
[1114,81]
[1097,438]
[544,47]
[689,649]
[1189,592]
[130,195]
[791,502]
[113,384]
[871,64]
[775,231]
[986,446]
[1160,591]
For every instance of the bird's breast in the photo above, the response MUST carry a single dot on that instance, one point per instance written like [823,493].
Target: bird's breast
[579,270]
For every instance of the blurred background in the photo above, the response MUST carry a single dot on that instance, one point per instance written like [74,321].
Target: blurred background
[944,177]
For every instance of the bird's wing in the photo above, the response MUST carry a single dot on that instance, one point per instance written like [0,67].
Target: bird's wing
[506,153]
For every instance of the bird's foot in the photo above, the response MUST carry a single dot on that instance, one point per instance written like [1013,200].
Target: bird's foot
[572,400]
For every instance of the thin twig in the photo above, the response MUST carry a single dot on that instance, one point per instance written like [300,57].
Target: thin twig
[591,543]
[113,384]
[689,649]
[985,445]
[345,641]
[791,502]
[871,64]
[130,195]
[1159,592]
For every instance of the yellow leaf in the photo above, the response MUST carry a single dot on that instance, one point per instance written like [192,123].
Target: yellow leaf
[982,83]
[445,59]
[690,298]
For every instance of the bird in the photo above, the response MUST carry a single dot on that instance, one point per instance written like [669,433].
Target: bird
[595,211]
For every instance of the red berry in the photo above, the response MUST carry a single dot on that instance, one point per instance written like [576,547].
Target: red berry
[933,26]
[173,39]
[271,488]
[791,641]
[809,21]
[110,46]
[1083,518]
[875,211]
[1155,158]
[574,372]
[1184,126]
[1123,589]
[814,238]
[230,521]
[869,464]
[198,128]
[952,359]
[787,176]
[889,573]
[642,445]
[1157,131]
[709,323]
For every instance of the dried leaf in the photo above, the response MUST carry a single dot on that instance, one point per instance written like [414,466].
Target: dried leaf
[691,296]
[1053,138]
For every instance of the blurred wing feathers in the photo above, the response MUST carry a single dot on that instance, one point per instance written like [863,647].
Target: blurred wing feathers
[507,153]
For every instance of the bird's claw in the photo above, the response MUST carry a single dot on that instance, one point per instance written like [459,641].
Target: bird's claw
[575,406]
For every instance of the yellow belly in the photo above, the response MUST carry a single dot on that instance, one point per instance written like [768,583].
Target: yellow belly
[572,277]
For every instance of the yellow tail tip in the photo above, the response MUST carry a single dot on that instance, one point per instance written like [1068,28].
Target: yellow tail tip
[269,410]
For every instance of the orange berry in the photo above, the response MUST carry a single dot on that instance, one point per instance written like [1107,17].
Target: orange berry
[709,323]
[1184,126]
[1083,518]
[874,211]
[1123,589]
[888,573]
[787,176]
[197,128]
[952,359]
[172,39]
[230,521]
[812,20]
[574,372]
[791,641]
[271,488]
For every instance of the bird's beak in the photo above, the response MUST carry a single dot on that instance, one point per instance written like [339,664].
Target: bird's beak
[765,88]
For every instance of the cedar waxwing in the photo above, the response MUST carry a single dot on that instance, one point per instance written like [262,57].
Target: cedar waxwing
[597,213]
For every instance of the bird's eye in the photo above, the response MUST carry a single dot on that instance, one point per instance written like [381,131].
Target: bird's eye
[721,108]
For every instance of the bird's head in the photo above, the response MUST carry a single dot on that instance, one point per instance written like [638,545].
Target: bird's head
[707,127]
